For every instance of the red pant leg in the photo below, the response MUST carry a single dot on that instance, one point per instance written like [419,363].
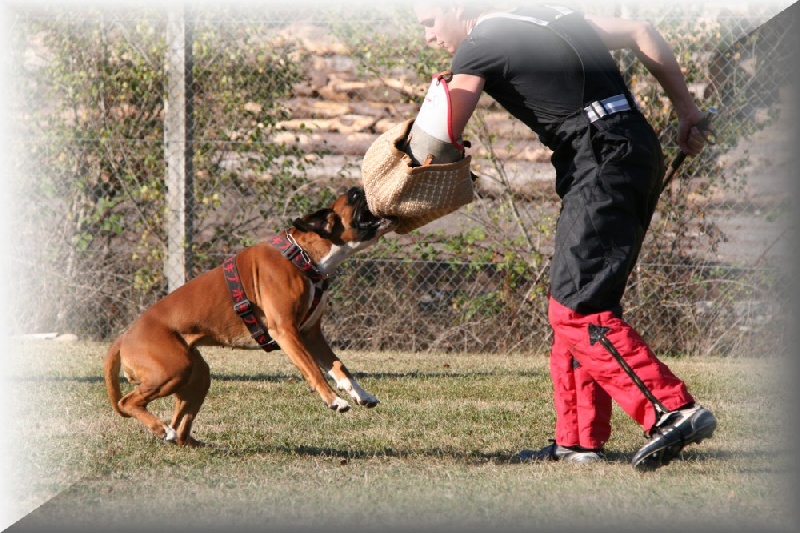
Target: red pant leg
[594,410]
[583,408]
[595,359]
[565,397]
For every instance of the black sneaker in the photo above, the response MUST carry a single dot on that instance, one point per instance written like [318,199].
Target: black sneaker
[556,452]
[677,429]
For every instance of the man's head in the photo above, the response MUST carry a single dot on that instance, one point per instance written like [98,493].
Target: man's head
[447,24]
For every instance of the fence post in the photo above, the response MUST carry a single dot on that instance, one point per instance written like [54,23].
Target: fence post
[178,137]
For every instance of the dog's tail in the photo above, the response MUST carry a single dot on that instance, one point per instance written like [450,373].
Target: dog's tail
[111,374]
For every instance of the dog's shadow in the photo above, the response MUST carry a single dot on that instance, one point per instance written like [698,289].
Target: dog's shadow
[473,457]
[414,374]
[346,455]
[470,458]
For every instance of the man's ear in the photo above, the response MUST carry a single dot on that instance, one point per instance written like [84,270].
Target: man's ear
[322,222]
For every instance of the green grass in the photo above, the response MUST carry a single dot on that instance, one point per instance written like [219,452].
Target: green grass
[435,452]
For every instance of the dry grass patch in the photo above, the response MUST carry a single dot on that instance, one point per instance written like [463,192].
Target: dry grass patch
[434,453]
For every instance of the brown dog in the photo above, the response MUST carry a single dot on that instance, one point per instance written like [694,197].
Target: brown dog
[278,284]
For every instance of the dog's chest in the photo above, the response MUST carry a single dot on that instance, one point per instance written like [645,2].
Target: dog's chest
[312,313]
[316,308]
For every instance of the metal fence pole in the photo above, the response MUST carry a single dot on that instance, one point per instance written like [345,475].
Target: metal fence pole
[178,133]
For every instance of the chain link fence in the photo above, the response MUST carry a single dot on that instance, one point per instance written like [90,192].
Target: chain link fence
[151,142]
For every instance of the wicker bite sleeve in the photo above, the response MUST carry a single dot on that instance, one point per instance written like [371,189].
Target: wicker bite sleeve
[415,195]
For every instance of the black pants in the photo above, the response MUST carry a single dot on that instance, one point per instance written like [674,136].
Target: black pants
[614,178]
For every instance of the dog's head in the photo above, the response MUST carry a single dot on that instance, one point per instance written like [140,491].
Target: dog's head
[345,227]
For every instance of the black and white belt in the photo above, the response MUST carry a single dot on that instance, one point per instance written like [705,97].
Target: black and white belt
[609,106]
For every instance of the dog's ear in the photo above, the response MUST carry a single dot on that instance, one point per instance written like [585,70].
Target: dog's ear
[324,222]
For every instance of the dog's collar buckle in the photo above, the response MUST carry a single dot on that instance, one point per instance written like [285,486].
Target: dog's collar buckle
[243,307]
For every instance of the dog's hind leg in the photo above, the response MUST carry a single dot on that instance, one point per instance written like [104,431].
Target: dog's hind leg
[159,361]
[190,398]
[330,362]
[135,404]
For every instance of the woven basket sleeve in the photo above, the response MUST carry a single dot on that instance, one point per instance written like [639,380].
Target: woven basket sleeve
[414,195]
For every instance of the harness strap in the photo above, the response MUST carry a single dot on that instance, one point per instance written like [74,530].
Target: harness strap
[246,310]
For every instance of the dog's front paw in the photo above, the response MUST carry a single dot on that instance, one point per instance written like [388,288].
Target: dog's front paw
[359,395]
[339,405]
[366,399]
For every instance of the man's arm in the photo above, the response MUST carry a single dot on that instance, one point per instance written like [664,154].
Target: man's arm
[656,54]
[465,91]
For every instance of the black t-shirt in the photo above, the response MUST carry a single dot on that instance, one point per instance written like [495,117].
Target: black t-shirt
[533,72]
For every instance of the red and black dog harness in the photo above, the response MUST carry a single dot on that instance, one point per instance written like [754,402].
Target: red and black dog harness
[246,310]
